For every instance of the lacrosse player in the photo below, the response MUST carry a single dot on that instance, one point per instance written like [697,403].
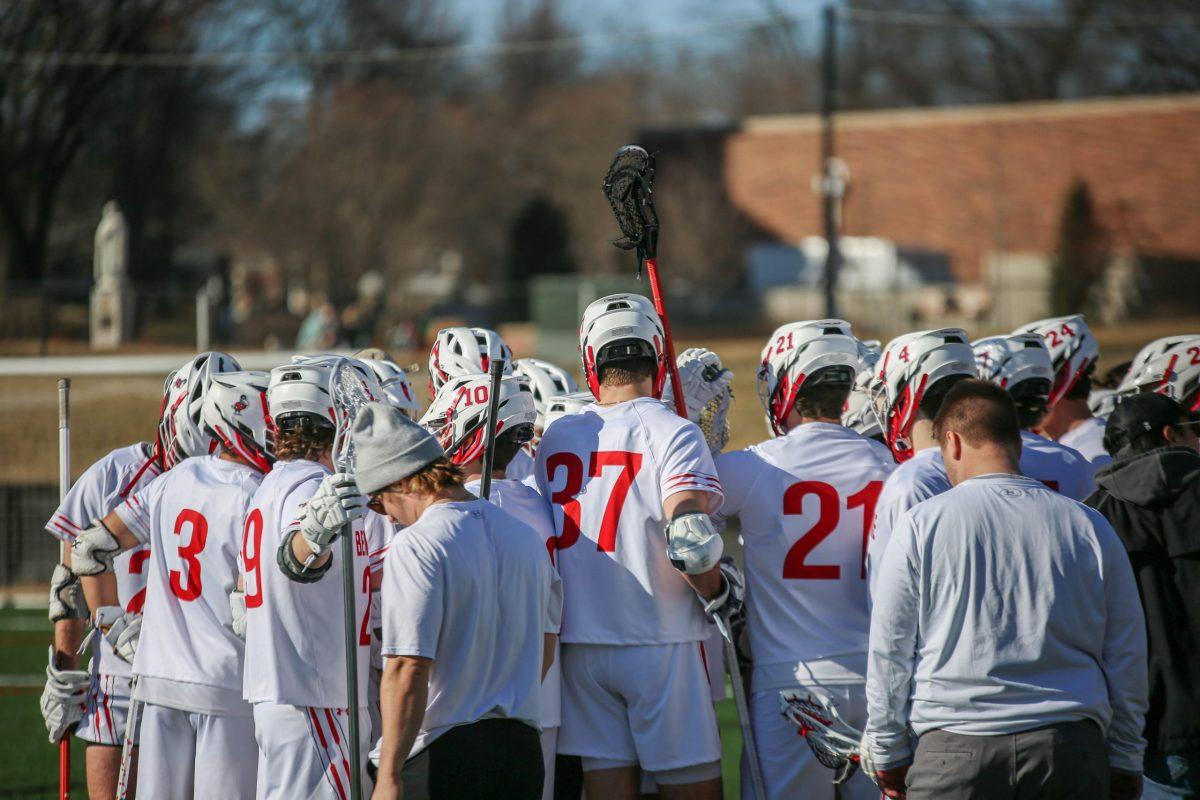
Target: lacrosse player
[806,499]
[197,735]
[100,489]
[619,474]
[1020,364]
[393,379]
[458,418]
[1069,420]
[914,374]
[470,615]
[1174,372]
[295,676]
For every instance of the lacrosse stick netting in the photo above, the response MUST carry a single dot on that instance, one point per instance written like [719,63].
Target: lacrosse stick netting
[833,741]
[629,189]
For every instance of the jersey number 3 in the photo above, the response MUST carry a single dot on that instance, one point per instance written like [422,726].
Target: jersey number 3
[830,508]
[189,588]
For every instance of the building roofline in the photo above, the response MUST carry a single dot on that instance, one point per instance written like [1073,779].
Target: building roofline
[966,115]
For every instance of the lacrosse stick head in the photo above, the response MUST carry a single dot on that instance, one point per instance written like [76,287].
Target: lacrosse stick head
[833,741]
[628,186]
[352,385]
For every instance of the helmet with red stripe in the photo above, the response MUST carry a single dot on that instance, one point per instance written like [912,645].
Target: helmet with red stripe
[180,433]
[465,351]
[1129,384]
[397,389]
[235,414]
[621,327]
[1175,373]
[458,416]
[911,367]
[1015,360]
[1073,351]
[811,353]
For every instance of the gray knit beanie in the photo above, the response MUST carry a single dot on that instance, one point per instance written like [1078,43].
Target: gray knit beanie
[389,447]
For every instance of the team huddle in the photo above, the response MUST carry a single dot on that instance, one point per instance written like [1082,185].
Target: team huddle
[563,617]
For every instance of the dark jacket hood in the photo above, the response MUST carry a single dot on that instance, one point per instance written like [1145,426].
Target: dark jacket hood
[1153,478]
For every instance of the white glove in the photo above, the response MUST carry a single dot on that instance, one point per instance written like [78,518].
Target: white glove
[707,392]
[63,698]
[337,503]
[122,629]
[94,551]
[66,595]
[237,609]
[733,592]
[866,757]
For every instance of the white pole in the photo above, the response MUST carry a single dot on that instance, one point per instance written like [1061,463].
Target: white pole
[202,334]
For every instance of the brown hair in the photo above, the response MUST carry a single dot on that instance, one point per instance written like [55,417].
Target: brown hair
[823,401]
[303,441]
[981,413]
[441,474]
[627,371]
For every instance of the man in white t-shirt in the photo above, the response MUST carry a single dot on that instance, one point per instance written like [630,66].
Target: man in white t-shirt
[914,374]
[197,735]
[470,615]
[458,418]
[1069,419]
[295,643]
[806,499]
[617,475]
[1020,364]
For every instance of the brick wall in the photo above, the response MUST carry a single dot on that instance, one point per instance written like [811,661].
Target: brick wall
[986,179]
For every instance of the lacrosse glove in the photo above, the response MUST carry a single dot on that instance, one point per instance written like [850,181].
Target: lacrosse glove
[237,611]
[122,629]
[728,604]
[66,595]
[336,504]
[94,551]
[707,392]
[63,698]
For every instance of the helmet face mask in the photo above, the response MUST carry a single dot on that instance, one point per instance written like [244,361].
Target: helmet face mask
[458,415]
[235,414]
[180,433]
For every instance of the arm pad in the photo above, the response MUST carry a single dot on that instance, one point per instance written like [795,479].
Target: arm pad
[292,568]
[693,544]
[94,551]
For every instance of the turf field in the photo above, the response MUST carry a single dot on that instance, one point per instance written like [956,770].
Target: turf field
[29,764]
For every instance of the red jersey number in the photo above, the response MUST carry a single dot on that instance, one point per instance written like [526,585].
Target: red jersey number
[829,507]
[187,588]
[567,497]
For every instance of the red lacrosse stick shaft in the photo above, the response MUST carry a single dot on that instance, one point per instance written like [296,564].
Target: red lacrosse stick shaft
[656,296]
[64,768]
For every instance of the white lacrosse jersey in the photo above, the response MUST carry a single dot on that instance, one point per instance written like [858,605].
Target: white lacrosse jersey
[188,656]
[1064,470]
[469,586]
[1088,438]
[102,487]
[295,632]
[606,472]
[530,509]
[806,501]
[520,468]
[921,477]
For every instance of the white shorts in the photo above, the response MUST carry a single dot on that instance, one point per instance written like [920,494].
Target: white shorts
[106,712]
[638,704]
[185,754]
[304,753]
[789,767]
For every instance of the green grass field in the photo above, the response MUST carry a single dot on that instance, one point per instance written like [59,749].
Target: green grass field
[29,763]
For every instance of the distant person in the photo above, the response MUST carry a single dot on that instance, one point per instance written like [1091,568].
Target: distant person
[319,331]
[1151,495]
[1006,632]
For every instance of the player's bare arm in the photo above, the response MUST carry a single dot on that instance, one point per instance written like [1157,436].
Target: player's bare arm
[549,642]
[403,695]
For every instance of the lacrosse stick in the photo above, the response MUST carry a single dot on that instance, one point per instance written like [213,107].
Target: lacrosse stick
[489,434]
[835,743]
[64,553]
[350,391]
[131,725]
[740,704]
[629,187]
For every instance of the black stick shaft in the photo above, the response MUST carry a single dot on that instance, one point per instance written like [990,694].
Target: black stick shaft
[496,372]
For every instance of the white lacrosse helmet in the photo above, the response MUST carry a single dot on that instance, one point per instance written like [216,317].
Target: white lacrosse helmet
[1129,384]
[458,414]
[617,327]
[1101,402]
[804,353]
[545,380]
[180,430]
[859,415]
[565,406]
[911,365]
[301,389]
[465,351]
[1175,373]
[393,381]
[1009,361]
[235,413]
[1073,351]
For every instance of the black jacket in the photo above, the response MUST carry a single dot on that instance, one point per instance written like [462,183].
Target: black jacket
[1153,501]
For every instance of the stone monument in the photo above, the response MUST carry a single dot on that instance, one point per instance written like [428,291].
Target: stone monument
[112,298]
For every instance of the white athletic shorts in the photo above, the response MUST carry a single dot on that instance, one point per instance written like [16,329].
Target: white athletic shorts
[185,754]
[549,754]
[643,704]
[106,711]
[304,753]
[789,767]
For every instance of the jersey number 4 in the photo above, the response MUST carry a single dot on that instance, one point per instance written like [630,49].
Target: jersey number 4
[830,508]
[567,497]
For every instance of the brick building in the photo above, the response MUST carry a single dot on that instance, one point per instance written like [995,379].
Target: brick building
[984,180]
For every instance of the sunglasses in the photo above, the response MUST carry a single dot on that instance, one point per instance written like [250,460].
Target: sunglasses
[375,500]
